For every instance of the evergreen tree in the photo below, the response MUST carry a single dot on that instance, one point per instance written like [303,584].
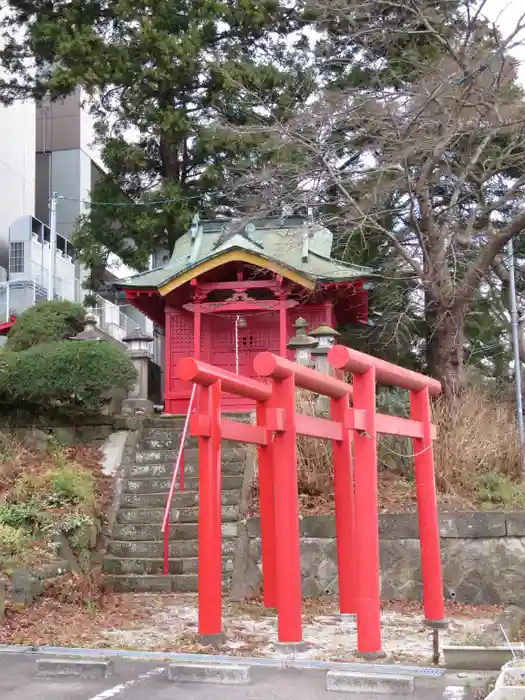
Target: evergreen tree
[159,74]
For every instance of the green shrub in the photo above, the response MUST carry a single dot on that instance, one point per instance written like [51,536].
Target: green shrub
[18,515]
[46,322]
[67,372]
[73,484]
[12,540]
[499,490]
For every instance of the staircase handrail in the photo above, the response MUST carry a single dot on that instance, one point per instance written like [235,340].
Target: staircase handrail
[166,520]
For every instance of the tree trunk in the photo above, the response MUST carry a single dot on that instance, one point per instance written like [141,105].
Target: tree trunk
[445,349]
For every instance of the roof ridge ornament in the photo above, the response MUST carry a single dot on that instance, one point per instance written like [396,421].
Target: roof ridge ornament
[286,211]
[195,226]
[196,238]
[310,215]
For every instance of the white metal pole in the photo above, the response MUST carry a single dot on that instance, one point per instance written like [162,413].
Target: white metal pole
[515,343]
[7,301]
[52,246]
[237,344]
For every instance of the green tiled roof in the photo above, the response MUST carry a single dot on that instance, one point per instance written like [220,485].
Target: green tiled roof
[276,239]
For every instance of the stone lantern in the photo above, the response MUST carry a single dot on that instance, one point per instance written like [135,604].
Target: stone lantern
[302,343]
[139,351]
[325,337]
[90,332]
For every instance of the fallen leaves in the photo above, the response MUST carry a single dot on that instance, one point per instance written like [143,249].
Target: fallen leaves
[78,612]
[72,611]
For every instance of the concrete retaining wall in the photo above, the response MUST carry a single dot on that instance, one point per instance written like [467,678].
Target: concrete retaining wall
[483,556]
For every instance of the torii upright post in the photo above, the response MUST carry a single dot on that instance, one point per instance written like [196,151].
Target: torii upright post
[210,516]
[288,556]
[427,511]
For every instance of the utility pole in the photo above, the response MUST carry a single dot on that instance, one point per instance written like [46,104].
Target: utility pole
[515,344]
[52,246]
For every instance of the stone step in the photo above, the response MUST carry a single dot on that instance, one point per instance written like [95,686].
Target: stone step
[168,441]
[152,550]
[186,531]
[171,423]
[229,454]
[183,583]
[180,515]
[159,470]
[162,432]
[181,500]
[149,567]
[153,485]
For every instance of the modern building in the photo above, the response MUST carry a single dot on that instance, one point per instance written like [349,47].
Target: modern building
[49,148]
[17,171]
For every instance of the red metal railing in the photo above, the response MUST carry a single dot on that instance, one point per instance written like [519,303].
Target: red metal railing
[179,465]
[355,484]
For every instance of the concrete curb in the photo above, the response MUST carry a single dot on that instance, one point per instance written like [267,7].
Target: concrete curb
[492,652]
[270,662]
[220,674]
[385,684]
[53,668]
[476,658]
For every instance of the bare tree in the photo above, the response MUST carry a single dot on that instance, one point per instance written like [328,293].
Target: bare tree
[434,163]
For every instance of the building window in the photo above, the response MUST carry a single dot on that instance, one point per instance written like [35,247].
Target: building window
[16,257]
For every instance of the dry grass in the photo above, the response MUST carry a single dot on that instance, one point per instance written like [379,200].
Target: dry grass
[478,452]
[477,459]
[477,432]
[315,470]
[43,491]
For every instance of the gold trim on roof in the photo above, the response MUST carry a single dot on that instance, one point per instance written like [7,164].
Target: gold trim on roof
[236,256]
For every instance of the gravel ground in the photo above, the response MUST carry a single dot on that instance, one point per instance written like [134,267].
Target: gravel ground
[251,630]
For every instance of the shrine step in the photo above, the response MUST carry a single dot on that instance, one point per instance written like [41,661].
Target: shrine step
[229,454]
[178,515]
[183,583]
[160,469]
[134,559]
[182,500]
[149,566]
[154,549]
[160,425]
[178,531]
[168,441]
[191,483]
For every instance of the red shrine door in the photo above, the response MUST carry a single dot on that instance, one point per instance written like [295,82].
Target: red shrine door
[219,346]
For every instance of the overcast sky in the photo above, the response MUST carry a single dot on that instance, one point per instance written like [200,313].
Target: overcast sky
[507,14]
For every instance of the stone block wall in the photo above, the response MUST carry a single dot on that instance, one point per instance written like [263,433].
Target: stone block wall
[483,557]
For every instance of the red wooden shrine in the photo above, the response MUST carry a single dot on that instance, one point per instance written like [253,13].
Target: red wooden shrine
[230,305]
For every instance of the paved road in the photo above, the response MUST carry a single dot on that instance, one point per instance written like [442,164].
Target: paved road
[148,681]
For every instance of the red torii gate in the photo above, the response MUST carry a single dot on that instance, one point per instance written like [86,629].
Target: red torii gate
[355,486]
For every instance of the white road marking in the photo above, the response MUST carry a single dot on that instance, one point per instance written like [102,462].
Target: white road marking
[118,689]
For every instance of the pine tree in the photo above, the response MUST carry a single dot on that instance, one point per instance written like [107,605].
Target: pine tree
[159,75]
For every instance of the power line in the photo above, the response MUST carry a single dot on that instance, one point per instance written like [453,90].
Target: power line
[131,204]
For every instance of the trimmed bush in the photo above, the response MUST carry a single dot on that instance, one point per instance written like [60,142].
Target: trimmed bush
[46,322]
[67,372]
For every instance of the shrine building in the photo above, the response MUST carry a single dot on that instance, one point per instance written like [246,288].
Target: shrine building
[232,290]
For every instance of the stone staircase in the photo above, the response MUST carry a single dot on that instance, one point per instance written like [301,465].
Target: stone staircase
[134,555]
